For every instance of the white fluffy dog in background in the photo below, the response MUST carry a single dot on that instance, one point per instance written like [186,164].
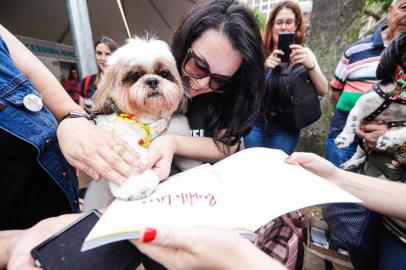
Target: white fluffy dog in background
[140,91]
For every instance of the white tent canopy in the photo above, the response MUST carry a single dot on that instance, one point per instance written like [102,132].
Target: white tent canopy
[48,19]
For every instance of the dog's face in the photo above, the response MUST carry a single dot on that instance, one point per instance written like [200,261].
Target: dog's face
[141,78]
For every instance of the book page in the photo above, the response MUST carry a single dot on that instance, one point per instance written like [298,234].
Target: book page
[245,190]
[193,197]
[263,186]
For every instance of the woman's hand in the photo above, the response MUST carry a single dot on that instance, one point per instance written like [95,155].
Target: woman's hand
[202,248]
[315,164]
[20,246]
[370,132]
[274,60]
[96,151]
[302,56]
[160,155]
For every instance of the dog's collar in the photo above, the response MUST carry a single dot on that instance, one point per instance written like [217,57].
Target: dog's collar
[151,130]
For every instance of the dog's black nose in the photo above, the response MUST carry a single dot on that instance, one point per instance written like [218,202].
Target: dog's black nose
[152,83]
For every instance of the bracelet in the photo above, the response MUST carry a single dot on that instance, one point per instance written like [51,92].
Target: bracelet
[79,115]
[310,69]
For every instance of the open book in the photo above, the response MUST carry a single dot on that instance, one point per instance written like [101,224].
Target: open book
[243,191]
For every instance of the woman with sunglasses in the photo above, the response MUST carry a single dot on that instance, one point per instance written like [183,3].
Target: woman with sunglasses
[285,16]
[219,54]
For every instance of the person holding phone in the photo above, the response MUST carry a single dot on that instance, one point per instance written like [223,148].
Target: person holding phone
[283,39]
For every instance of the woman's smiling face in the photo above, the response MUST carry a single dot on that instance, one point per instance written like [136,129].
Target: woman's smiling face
[222,59]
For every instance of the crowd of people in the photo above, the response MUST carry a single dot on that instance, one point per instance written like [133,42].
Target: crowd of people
[231,75]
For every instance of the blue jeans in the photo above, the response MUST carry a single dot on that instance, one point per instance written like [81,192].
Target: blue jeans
[280,138]
[335,155]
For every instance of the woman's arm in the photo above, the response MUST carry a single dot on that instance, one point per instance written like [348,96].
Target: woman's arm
[385,197]
[305,56]
[84,145]
[55,97]
[162,149]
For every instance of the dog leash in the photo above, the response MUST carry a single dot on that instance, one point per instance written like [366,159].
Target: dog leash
[385,104]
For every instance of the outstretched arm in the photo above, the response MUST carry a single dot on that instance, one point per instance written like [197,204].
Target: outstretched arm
[162,149]
[385,197]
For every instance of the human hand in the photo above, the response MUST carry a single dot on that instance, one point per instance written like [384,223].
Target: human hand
[20,246]
[335,96]
[370,132]
[274,60]
[315,164]
[202,248]
[96,151]
[302,56]
[160,155]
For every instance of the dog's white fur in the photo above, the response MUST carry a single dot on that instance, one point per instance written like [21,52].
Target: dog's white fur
[366,105]
[127,82]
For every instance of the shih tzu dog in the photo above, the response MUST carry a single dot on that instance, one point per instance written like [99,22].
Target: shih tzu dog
[140,91]
[386,102]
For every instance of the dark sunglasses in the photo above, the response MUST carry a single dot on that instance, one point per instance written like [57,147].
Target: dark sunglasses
[196,67]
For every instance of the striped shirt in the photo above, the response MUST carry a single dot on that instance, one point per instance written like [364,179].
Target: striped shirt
[356,71]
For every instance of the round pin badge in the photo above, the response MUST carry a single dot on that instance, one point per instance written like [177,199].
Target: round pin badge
[33,103]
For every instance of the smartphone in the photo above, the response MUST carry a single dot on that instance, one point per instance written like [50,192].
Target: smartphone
[62,250]
[285,39]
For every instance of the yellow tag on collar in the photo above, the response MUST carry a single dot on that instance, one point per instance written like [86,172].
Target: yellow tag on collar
[131,118]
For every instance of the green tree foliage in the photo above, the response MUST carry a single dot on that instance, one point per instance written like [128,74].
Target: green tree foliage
[261,19]
[382,4]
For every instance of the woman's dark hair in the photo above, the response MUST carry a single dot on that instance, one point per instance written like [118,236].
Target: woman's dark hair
[394,55]
[109,42]
[236,110]
[71,69]
[268,33]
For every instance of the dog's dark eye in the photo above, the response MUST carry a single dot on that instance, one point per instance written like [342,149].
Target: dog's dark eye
[133,76]
[164,74]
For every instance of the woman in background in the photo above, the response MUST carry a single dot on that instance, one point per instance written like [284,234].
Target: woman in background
[104,47]
[285,16]
[72,84]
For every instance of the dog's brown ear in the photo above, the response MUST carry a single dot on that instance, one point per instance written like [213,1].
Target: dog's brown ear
[105,88]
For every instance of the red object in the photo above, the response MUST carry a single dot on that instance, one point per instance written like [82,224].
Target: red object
[86,86]
[73,88]
[149,235]
[141,142]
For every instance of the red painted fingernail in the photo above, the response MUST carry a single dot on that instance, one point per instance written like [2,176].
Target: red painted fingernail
[149,235]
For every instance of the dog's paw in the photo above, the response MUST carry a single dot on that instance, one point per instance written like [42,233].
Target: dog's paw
[344,140]
[386,143]
[136,187]
[351,165]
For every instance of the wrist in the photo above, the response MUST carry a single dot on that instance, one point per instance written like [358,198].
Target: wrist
[78,114]
[312,67]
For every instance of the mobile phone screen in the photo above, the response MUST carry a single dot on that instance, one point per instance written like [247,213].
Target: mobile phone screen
[285,39]
[62,251]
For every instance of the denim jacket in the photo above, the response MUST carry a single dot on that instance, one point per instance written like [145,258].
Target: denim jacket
[36,128]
